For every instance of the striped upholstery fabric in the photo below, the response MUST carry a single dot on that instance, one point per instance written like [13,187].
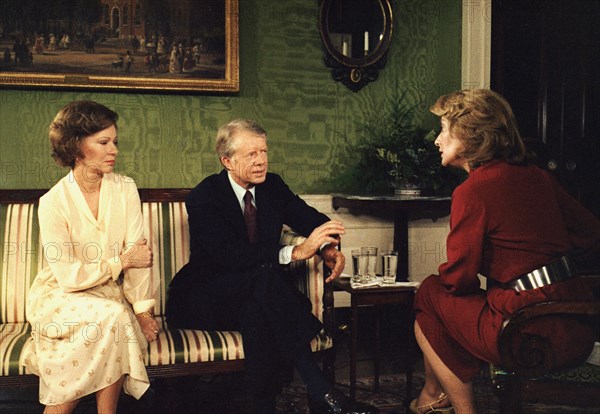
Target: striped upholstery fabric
[13,337]
[166,226]
[20,258]
[20,261]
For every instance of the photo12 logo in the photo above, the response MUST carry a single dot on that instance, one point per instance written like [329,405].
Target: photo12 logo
[88,332]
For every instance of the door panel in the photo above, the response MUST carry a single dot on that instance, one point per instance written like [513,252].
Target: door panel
[545,62]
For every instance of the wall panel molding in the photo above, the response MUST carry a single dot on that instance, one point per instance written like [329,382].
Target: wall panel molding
[476,44]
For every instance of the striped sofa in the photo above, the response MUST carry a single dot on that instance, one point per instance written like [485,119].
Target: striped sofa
[176,352]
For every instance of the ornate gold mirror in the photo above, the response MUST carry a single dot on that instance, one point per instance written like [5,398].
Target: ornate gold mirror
[356,36]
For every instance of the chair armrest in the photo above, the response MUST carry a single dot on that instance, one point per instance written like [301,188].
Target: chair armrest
[583,308]
[531,355]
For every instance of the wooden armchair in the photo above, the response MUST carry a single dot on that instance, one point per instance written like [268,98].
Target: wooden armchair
[529,372]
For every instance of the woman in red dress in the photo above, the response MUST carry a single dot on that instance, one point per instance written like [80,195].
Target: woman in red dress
[507,219]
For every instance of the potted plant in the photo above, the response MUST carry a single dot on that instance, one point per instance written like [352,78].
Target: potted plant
[411,165]
[393,153]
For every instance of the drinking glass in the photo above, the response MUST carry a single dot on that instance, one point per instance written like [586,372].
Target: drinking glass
[389,264]
[359,266]
[371,254]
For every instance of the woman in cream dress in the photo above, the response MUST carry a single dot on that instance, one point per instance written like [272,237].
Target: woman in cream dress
[90,307]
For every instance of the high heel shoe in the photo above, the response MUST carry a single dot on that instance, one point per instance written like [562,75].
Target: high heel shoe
[430,409]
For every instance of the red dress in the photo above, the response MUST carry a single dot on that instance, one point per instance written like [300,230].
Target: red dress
[505,221]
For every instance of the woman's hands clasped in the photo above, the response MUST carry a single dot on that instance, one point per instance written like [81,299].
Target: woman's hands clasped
[138,256]
[149,325]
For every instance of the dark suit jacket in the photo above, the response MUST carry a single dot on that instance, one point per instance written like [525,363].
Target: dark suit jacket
[221,257]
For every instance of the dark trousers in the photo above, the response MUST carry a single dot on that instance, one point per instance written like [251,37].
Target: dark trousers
[274,318]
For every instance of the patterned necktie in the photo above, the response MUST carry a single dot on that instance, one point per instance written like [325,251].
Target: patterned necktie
[250,218]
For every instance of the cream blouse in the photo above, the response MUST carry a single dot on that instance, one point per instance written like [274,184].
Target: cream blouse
[83,252]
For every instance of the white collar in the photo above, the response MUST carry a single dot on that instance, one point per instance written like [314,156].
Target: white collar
[240,192]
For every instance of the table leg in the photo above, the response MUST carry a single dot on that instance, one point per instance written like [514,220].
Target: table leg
[411,351]
[377,349]
[401,244]
[353,349]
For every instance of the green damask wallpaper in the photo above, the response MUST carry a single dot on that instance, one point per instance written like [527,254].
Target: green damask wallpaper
[167,139]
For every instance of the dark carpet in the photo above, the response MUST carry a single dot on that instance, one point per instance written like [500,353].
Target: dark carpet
[392,391]
[389,399]
[225,395]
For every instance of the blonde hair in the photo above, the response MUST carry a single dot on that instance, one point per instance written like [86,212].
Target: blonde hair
[484,122]
[226,135]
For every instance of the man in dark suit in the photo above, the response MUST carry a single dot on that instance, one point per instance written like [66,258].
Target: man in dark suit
[233,280]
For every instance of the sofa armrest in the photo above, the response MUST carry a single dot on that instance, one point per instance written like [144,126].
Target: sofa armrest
[309,277]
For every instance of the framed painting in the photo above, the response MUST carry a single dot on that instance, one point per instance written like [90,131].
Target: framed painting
[155,45]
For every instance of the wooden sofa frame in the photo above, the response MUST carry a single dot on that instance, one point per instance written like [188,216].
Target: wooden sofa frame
[177,369]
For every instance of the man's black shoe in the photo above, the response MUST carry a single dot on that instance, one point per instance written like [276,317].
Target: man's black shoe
[335,402]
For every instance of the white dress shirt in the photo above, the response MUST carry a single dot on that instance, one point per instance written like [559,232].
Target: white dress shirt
[285,254]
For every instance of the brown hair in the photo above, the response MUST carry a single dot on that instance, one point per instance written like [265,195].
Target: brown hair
[484,122]
[226,135]
[72,124]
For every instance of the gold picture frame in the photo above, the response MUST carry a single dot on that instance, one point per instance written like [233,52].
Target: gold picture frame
[173,53]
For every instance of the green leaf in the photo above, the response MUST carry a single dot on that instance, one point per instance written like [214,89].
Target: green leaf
[393,150]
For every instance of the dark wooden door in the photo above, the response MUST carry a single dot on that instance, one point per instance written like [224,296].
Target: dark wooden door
[546,62]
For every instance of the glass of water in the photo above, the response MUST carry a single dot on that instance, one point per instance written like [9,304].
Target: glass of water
[371,258]
[389,264]
[359,266]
